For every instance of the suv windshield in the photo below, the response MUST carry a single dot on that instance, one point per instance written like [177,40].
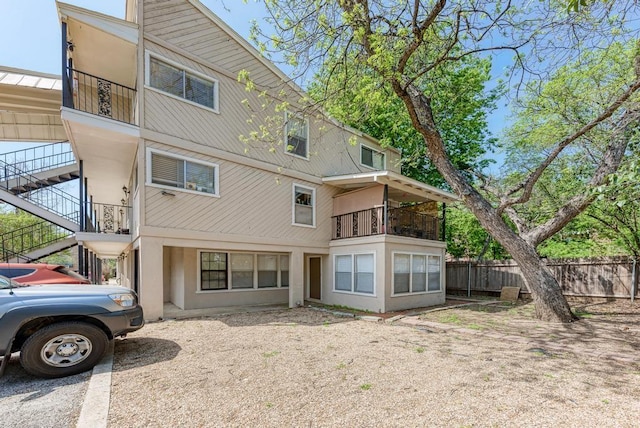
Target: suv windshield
[9,283]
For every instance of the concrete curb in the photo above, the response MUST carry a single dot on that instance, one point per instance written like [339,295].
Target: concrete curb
[95,408]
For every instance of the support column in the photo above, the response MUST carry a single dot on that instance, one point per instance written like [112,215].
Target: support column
[81,196]
[80,258]
[85,265]
[296,278]
[151,277]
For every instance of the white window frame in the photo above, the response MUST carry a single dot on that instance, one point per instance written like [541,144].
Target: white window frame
[286,134]
[410,292]
[293,205]
[255,287]
[185,69]
[384,158]
[353,272]
[149,179]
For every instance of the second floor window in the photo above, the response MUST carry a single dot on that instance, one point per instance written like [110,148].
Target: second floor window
[304,206]
[296,135]
[371,158]
[180,173]
[183,84]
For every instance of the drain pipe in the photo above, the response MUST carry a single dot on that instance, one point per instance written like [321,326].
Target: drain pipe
[634,284]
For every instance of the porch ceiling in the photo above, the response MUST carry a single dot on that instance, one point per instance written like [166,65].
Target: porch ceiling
[401,188]
[104,245]
[107,150]
[103,46]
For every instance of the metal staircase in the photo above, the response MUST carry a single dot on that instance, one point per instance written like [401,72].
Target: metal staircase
[35,241]
[27,181]
[50,164]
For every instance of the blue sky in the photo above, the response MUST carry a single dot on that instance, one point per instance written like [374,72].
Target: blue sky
[30,29]
[30,34]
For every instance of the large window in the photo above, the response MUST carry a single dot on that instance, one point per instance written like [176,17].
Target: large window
[415,273]
[296,132]
[354,273]
[304,201]
[371,157]
[178,82]
[243,271]
[213,271]
[177,172]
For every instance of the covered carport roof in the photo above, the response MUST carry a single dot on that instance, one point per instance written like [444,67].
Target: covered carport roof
[30,106]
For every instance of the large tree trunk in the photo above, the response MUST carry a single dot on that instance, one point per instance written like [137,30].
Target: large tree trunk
[549,301]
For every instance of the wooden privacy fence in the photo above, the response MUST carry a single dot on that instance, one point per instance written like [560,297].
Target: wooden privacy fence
[593,277]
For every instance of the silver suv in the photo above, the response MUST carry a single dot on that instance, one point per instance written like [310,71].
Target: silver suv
[61,330]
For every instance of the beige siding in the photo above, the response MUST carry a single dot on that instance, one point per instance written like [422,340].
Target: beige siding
[330,151]
[182,25]
[252,202]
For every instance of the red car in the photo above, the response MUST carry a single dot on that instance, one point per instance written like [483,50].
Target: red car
[41,273]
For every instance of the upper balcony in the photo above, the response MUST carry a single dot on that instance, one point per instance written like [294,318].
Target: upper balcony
[386,203]
[99,97]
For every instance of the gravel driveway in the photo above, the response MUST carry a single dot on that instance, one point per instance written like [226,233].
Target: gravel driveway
[29,402]
[307,368]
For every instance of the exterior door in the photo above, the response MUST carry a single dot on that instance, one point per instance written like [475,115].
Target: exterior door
[315,279]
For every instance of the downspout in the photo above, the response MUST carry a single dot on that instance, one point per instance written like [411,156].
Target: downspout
[444,222]
[386,208]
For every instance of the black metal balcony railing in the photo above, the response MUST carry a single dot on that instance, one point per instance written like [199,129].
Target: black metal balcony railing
[400,221]
[106,218]
[102,97]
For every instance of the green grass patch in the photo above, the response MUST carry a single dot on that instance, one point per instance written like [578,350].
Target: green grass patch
[450,319]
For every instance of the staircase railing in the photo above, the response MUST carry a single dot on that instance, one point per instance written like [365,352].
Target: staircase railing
[7,255]
[18,242]
[37,159]
[40,193]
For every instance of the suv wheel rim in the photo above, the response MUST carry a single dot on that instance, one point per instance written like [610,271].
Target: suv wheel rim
[66,350]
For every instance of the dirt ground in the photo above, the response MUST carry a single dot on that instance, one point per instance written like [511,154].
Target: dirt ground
[477,365]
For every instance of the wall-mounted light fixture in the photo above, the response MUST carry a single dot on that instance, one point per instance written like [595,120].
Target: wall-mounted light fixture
[126,191]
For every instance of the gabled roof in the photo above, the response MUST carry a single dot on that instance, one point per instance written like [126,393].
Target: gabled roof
[401,188]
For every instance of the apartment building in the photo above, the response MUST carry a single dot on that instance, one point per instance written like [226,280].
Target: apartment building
[210,195]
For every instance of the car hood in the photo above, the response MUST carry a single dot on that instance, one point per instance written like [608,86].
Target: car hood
[71,290]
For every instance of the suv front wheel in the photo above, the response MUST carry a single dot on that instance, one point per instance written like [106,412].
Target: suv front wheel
[63,349]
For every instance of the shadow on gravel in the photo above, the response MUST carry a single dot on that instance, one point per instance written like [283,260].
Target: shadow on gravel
[17,381]
[136,352]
